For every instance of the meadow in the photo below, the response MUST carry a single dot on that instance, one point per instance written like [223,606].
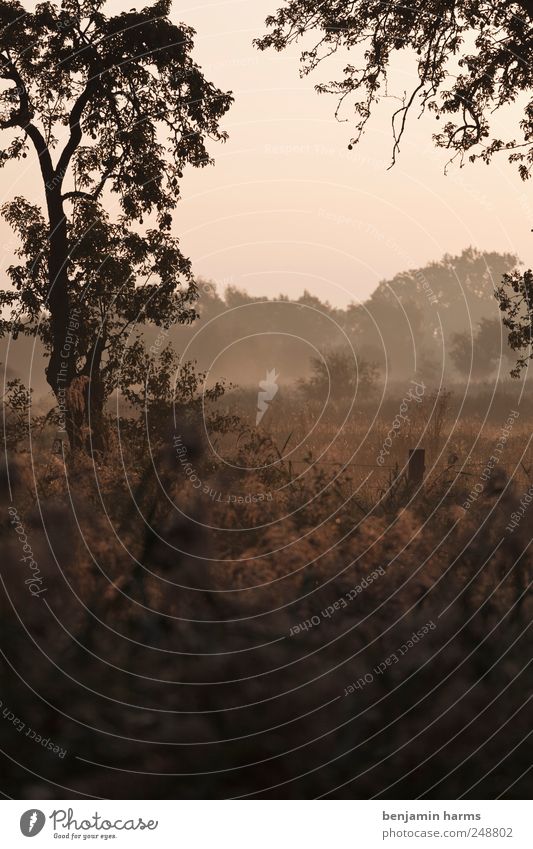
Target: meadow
[269,612]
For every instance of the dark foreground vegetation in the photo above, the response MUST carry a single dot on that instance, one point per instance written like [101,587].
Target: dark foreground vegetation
[273,630]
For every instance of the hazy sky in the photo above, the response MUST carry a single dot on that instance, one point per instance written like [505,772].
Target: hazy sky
[287,207]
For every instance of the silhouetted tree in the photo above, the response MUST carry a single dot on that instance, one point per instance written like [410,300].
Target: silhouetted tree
[108,104]
[515,296]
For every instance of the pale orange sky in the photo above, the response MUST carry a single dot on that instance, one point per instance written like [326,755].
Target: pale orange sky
[287,207]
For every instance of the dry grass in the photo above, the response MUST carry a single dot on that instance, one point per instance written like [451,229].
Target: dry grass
[162,647]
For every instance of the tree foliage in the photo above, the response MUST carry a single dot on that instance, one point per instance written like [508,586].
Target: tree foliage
[114,107]
[136,105]
[515,297]
[479,353]
[472,58]
[338,374]
[118,280]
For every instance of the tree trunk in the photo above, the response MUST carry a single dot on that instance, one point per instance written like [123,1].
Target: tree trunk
[95,398]
[79,395]
[61,366]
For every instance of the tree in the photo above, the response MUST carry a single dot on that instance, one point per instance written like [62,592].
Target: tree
[109,105]
[337,375]
[472,58]
[515,296]
[477,356]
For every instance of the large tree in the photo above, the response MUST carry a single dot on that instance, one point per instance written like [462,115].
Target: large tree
[471,58]
[113,107]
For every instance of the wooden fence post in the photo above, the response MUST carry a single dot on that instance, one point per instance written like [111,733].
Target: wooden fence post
[416,466]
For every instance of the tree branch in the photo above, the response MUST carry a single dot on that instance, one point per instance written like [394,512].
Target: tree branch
[23,119]
[75,127]
[90,195]
[78,194]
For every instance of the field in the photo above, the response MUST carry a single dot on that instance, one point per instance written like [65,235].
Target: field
[270,611]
